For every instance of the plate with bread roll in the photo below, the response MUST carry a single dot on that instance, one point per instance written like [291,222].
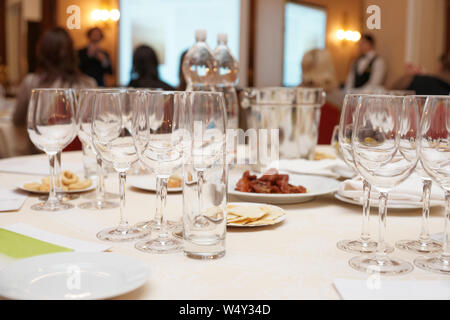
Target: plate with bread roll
[71,183]
[148,183]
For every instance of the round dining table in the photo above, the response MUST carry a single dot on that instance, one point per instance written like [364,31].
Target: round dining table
[294,260]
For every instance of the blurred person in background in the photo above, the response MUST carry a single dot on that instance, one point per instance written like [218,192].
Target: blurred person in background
[94,61]
[145,70]
[368,72]
[319,72]
[416,79]
[57,67]
[183,84]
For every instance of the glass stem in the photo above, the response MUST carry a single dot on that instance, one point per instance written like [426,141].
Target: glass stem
[101,180]
[382,215]
[162,201]
[52,198]
[158,217]
[59,188]
[122,186]
[425,231]
[365,233]
[446,248]
[200,182]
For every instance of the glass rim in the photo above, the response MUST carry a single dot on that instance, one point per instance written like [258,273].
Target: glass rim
[51,89]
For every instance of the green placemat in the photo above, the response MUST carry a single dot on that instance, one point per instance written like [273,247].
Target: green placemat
[18,246]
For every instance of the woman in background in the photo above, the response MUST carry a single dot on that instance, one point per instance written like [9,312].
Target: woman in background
[145,70]
[318,72]
[57,67]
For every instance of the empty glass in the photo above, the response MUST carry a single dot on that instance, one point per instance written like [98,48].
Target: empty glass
[159,134]
[205,178]
[435,156]
[423,245]
[86,99]
[385,153]
[113,142]
[364,244]
[52,127]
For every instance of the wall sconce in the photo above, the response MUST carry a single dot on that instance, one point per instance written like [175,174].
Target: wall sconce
[105,15]
[348,35]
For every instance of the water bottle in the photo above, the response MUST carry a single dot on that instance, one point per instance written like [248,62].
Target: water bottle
[227,78]
[199,65]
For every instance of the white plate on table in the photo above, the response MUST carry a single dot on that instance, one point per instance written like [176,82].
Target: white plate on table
[392,204]
[72,276]
[148,183]
[315,185]
[276,221]
[22,187]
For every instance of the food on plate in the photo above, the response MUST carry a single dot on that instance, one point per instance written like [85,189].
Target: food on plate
[270,182]
[322,156]
[175,182]
[70,182]
[253,215]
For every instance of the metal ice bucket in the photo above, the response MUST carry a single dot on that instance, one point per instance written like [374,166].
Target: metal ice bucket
[294,112]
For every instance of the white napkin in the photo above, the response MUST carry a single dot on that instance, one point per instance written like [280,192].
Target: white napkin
[35,167]
[59,240]
[410,190]
[375,288]
[327,167]
[11,200]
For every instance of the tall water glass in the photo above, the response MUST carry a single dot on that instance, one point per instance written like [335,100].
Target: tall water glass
[205,178]
[112,140]
[86,99]
[424,244]
[385,152]
[52,127]
[364,244]
[160,139]
[435,156]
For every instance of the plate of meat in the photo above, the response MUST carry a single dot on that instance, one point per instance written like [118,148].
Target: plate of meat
[275,187]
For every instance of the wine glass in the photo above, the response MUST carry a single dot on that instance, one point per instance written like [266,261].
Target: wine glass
[52,127]
[86,99]
[435,156]
[112,140]
[423,245]
[385,154]
[364,244]
[159,134]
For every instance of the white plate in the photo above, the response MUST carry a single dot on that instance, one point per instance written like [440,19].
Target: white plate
[392,204]
[21,187]
[315,185]
[243,204]
[72,276]
[148,183]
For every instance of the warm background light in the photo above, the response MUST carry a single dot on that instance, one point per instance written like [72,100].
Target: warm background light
[105,15]
[348,35]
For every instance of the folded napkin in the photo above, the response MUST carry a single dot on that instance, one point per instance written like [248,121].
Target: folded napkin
[410,190]
[22,241]
[11,200]
[330,168]
[35,167]
[381,289]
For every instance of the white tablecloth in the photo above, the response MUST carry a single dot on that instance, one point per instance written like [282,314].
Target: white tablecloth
[295,260]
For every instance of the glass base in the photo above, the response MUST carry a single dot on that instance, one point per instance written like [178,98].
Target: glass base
[98,205]
[154,225]
[436,264]
[359,246]
[107,196]
[386,267]
[52,207]
[417,246]
[160,245]
[122,234]
[211,256]
[64,197]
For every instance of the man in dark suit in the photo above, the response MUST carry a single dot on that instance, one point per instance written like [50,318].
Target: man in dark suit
[94,61]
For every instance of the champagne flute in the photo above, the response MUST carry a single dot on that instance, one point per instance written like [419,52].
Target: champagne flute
[423,245]
[435,156]
[385,153]
[86,100]
[112,140]
[364,244]
[52,127]
[159,134]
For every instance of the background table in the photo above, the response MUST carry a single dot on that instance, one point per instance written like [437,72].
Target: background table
[297,259]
